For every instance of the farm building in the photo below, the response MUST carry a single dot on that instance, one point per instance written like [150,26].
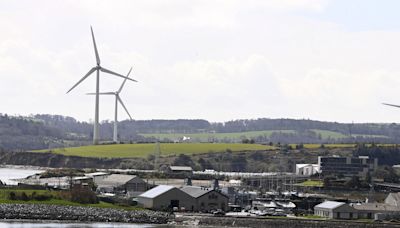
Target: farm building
[165,197]
[207,199]
[120,183]
[336,210]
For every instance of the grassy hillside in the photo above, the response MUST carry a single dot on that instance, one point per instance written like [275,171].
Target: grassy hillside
[237,136]
[143,150]
[204,137]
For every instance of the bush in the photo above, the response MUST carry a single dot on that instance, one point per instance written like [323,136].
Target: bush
[24,197]
[42,197]
[12,196]
[82,195]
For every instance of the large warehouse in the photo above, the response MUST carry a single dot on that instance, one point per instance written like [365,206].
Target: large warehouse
[165,197]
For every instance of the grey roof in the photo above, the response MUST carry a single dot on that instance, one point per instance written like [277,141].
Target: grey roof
[156,191]
[395,195]
[196,191]
[96,174]
[376,207]
[181,168]
[329,204]
[115,180]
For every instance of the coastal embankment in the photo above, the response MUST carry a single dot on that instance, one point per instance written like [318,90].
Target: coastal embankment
[81,214]
[57,160]
[264,222]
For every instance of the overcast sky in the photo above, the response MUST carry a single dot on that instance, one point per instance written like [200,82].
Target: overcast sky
[216,60]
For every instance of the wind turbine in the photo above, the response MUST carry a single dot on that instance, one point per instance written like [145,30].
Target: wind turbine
[97,68]
[397,106]
[117,99]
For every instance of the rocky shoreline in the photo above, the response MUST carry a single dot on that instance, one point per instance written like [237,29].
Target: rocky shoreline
[80,214]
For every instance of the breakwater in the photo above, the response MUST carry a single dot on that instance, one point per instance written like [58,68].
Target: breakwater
[82,214]
[277,222]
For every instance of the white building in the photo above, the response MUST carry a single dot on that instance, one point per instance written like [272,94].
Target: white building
[97,176]
[335,210]
[307,169]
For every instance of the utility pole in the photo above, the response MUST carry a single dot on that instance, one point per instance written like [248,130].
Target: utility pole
[157,153]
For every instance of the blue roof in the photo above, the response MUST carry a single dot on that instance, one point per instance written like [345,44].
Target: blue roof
[156,191]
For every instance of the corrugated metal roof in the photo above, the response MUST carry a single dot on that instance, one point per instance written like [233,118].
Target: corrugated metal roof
[330,204]
[302,165]
[396,196]
[196,191]
[376,207]
[96,174]
[156,191]
[181,168]
[115,180]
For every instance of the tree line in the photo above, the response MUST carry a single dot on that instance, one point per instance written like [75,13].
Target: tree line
[44,131]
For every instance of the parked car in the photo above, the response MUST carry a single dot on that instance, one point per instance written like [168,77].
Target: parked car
[219,212]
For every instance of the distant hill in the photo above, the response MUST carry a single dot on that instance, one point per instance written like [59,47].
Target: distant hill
[50,131]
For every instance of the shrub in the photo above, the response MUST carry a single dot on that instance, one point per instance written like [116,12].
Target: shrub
[24,196]
[12,196]
[83,195]
[42,197]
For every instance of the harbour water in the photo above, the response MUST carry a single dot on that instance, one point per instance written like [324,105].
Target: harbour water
[31,224]
[7,174]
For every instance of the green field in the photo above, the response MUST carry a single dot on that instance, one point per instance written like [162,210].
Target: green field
[329,134]
[238,136]
[312,183]
[143,150]
[207,137]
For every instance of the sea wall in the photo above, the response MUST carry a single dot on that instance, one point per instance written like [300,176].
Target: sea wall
[82,214]
[276,222]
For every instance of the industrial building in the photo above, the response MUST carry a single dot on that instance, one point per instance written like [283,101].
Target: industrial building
[207,199]
[347,166]
[120,183]
[165,197]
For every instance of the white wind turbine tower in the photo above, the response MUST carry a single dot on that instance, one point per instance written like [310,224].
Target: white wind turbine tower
[117,99]
[97,68]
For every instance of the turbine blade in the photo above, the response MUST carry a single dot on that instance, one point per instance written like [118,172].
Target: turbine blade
[95,47]
[105,93]
[123,83]
[397,106]
[84,77]
[116,74]
[122,103]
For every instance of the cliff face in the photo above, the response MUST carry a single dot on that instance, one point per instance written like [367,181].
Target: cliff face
[57,160]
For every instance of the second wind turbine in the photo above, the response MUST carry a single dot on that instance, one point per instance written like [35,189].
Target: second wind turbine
[117,99]
[97,68]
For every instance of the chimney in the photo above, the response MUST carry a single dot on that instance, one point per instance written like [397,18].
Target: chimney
[215,184]
[188,181]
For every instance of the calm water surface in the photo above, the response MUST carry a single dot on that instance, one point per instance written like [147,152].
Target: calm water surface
[17,224]
[9,173]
